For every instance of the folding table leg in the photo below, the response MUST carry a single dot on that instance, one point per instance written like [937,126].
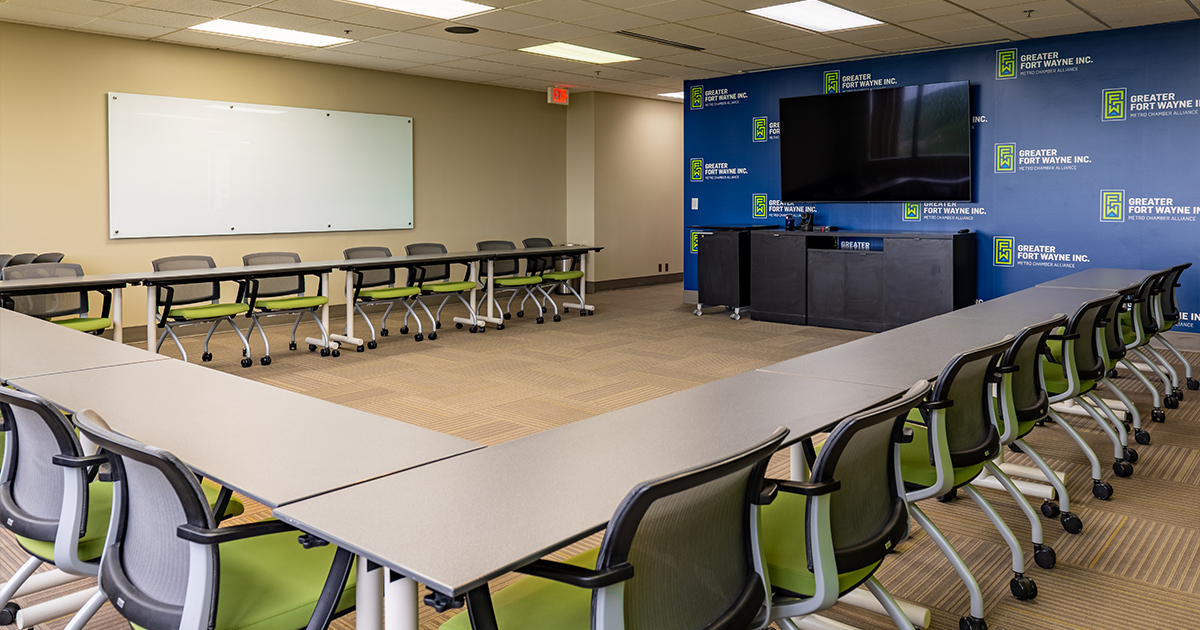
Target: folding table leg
[330,343]
[151,311]
[349,337]
[400,603]
[583,305]
[369,595]
[115,314]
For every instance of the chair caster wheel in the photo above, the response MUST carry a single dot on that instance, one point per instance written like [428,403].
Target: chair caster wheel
[265,360]
[419,337]
[245,352]
[1177,393]
[590,313]
[1049,509]
[520,313]
[8,614]
[1071,523]
[1112,373]
[499,326]
[1022,588]
[1193,384]
[1142,437]
[949,496]
[558,318]
[1122,468]
[541,320]
[1170,402]
[292,346]
[972,623]
[325,352]
[1102,490]
[1014,448]
[360,348]
[544,310]
[482,328]
[383,332]
[1158,415]
[437,325]
[566,310]
[1044,556]
[458,325]
[206,357]
[372,344]
[336,353]
[508,316]
[473,329]
[312,348]
[1128,418]
[432,336]
[1131,455]
[247,362]
[404,330]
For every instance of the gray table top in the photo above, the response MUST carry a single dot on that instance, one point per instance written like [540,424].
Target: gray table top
[1100,278]
[271,444]
[459,257]
[217,274]
[32,347]
[49,285]
[520,500]
[1031,306]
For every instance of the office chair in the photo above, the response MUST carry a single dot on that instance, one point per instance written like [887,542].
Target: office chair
[1163,313]
[680,553]
[387,293]
[167,566]
[297,305]
[51,257]
[1166,314]
[435,280]
[825,537]
[49,306]
[5,259]
[1138,327]
[505,277]
[170,297]
[544,267]
[51,499]
[22,259]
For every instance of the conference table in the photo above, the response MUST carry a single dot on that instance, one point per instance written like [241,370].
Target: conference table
[1101,278]
[113,282]
[32,347]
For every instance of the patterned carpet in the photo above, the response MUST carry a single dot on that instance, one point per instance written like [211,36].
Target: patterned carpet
[1138,556]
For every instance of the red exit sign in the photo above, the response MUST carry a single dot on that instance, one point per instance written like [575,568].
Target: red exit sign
[558,95]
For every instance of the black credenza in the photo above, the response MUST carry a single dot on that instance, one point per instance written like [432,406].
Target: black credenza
[896,278]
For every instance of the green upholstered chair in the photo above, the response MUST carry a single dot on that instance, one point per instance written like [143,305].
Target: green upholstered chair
[680,553]
[167,566]
[825,537]
[1138,327]
[285,296]
[50,497]
[378,286]
[54,305]
[434,281]
[176,310]
[506,277]
[552,279]
[1166,313]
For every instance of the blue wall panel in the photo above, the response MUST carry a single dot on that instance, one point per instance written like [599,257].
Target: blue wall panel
[1103,130]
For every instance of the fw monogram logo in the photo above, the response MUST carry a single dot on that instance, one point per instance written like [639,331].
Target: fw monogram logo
[1112,205]
[1006,63]
[912,212]
[833,80]
[760,205]
[695,242]
[1006,158]
[1003,246]
[760,129]
[1114,104]
[697,97]
[697,169]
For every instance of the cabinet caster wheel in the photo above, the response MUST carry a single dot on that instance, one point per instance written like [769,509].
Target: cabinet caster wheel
[1122,468]
[1158,415]
[372,344]
[1102,490]
[432,336]
[1071,523]
[949,496]
[520,313]
[265,360]
[735,317]
[336,353]
[1193,384]
[499,326]
[292,346]
[1014,448]
[419,337]
[1112,373]
[458,325]
[558,318]
[1170,402]
[1044,556]
[473,329]
[1049,509]
[206,357]
[360,348]
[8,614]
[508,316]
[247,362]
[325,352]
[1142,437]
[541,320]
[696,312]
[972,623]
[1022,588]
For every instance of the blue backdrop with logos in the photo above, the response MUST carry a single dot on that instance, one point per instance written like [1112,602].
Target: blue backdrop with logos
[1085,153]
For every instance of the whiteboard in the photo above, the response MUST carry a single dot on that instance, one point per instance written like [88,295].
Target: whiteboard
[187,167]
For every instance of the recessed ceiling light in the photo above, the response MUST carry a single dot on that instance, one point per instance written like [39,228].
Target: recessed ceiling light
[678,95]
[815,15]
[461,30]
[268,33]
[443,9]
[577,53]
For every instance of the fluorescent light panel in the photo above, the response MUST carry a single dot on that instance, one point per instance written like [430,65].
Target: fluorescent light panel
[815,15]
[441,9]
[678,95]
[577,53]
[268,33]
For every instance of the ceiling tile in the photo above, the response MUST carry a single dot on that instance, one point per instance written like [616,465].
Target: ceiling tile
[716,41]
[780,59]
[206,8]
[843,51]
[1069,31]
[1130,11]
[912,41]
[653,66]
[623,4]
[417,57]
[481,65]
[389,20]
[946,23]
[504,20]
[278,19]
[490,38]
[1137,19]
[31,15]
[916,11]
[870,33]
[804,42]
[91,8]
[157,18]
[694,59]
[559,31]
[562,10]
[772,33]
[675,10]
[663,82]
[732,66]
[270,48]
[746,5]
[433,44]
[617,21]
[1041,25]
[125,29]
[983,6]
[521,83]
[988,33]
[532,60]
[196,38]
[673,32]
[617,73]
[1043,9]
[731,22]
[328,9]
[357,32]
[613,42]
[743,50]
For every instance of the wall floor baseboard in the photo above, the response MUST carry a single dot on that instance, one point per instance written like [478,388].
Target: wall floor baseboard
[625,283]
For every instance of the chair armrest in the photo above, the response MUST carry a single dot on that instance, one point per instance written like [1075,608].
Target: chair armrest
[69,461]
[578,576]
[206,536]
[808,489]
[1063,337]
[906,435]
[767,493]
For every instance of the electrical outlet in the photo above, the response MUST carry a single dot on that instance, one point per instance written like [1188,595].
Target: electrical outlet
[668,266]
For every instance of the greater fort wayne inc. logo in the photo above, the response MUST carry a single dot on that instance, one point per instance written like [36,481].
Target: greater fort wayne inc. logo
[697,169]
[760,205]
[1006,157]
[695,246]
[697,97]
[912,211]
[833,81]
[1003,247]
[1114,103]
[760,129]
[1112,206]
[1006,63]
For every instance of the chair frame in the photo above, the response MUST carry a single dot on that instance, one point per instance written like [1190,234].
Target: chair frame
[252,296]
[105,310]
[165,322]
[417,276]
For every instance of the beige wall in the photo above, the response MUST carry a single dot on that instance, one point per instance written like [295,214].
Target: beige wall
[581,173]
[489,162]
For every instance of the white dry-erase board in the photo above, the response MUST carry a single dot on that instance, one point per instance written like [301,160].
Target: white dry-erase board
[187,167]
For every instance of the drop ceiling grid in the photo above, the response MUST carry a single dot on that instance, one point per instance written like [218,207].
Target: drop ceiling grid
[734,41]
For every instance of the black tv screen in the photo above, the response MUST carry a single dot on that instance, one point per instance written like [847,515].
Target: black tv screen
[896,144]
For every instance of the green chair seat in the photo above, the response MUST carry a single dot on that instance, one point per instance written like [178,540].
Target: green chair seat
[518,281]
[85,324]
[914,461]
[284,304]
[448,287]
[388,293]
[539,604]
[563,275]
[785,546]
[209,311]
[1056,381]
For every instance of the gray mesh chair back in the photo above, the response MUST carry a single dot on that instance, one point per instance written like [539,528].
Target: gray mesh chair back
[1170,281]
[1081,328]
[374,277]
[144,569]
[1023,360]
[53,304]
[964,390]
[500,267]
[22,259]
[276,287]
[50,257]
[5,259]
[688,537]
[538,264]
[31,486]
[187,293]
[432,273]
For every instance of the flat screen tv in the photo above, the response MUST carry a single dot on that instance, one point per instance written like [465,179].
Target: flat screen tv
[895,144]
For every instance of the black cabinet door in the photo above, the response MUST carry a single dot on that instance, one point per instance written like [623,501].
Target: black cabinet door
[826,285]
[920,274]
[778,271]
[865,286]
[719,268]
